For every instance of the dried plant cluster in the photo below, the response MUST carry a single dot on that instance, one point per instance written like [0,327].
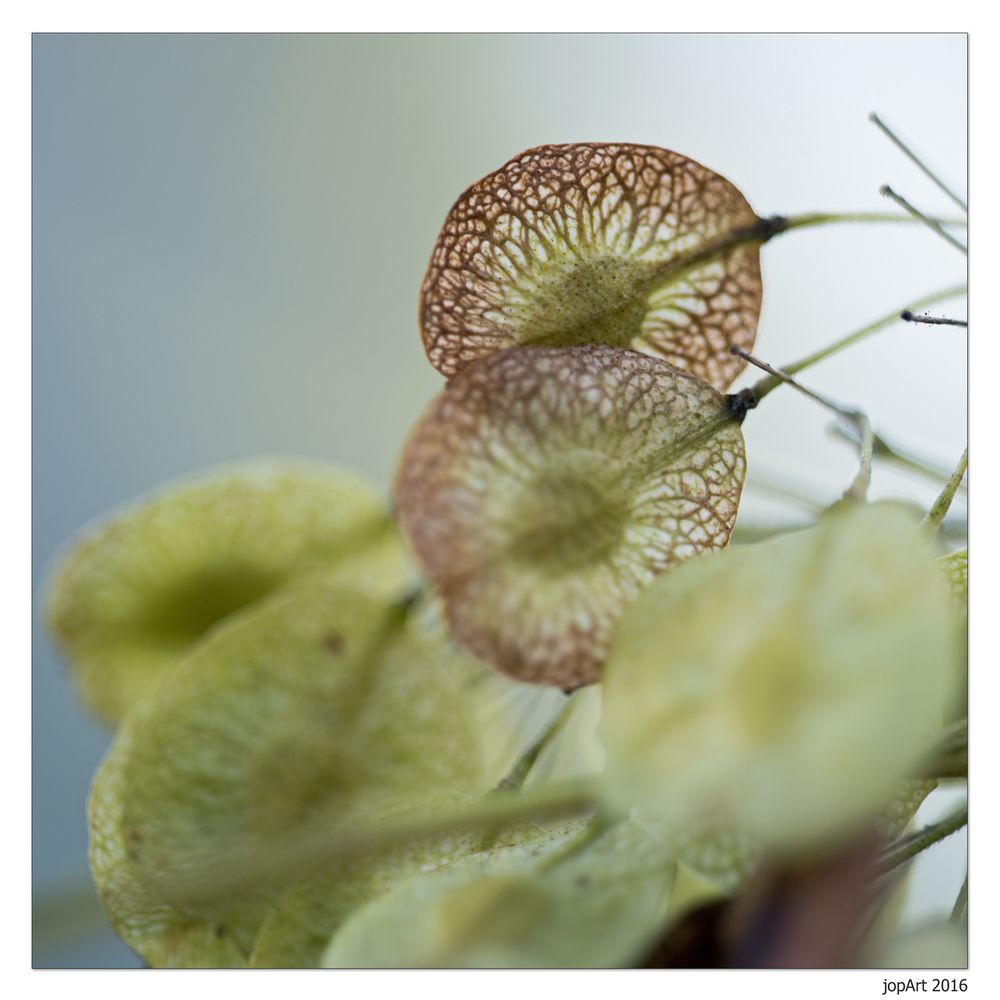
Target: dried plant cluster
[321,761]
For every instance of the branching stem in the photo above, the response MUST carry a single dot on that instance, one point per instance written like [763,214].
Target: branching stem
[891,453]
[764,386]
[858,490]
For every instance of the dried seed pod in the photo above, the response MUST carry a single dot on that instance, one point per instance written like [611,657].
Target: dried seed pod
[546,487]
[135,593]
[618,244]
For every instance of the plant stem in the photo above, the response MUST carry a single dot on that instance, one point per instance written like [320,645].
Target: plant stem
[323,842]
[911,846]
[931,224]
[858,490]
[909,317]
[765,385]
[809,219]
[891,453]
[761,231]
[873,117]
[513,780]
[941,506]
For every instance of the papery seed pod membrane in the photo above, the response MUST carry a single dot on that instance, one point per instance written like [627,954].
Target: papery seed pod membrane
[317,706]
[618,244]
[298,930]
[597,906]
[136,592]
[546,487]
[784,689]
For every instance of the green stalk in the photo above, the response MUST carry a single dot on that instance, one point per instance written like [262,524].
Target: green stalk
[932,224]
[514,779]
[809,219]
[890,453]
[902,146]
[765,385]
[941,506]
[919,842]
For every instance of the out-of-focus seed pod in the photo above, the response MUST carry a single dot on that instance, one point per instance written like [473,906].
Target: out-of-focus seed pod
[546,487]
[319,706]
[618,244]
[784,689]
[136,592]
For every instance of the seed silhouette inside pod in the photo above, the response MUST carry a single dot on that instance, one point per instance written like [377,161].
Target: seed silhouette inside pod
[139,590]
[625,245]
[546,487]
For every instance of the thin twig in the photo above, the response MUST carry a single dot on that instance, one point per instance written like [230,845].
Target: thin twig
[321,842]
[794,367]
[514,779]
[873,117]
[891,453]
[931,224]
[909,317]
[858,490]
[913,845]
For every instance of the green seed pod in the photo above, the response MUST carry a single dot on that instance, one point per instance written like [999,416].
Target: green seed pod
[595,243]
[546,487]
[298,930]
[783,689]
[590,905]
[319,706]
[138,591]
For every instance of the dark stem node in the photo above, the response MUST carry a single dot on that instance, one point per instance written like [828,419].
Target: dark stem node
[740,403]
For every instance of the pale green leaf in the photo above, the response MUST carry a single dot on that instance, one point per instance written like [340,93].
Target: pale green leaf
[783,689]
[138,590]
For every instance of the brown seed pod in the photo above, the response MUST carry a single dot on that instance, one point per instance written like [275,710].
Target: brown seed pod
[629,246]
[546,486]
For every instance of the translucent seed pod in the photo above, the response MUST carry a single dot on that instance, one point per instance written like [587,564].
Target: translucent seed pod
[784,689]
[319,706]
[618,244]
[138,590]
[546,487]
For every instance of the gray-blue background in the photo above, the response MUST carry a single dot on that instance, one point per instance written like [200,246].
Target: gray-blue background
[230,232]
